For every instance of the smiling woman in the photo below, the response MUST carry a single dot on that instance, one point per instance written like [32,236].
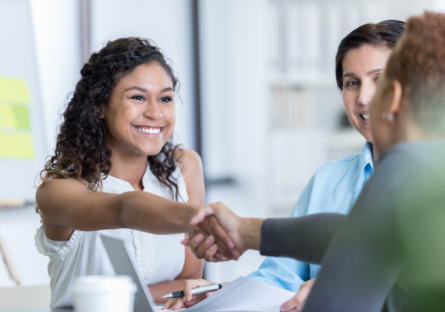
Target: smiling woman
[116,139]
[360,62]
[363,68]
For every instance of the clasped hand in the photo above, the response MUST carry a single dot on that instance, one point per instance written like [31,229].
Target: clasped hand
[215,234]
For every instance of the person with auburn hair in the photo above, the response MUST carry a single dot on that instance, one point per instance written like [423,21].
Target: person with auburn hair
[116,171]
[388,253]
[359,64]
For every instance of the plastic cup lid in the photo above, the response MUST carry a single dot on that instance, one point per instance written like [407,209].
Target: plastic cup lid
[98,283]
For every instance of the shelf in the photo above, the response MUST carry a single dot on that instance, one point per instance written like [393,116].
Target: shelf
[322,82]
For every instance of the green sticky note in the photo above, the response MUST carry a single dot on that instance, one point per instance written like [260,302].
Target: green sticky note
[6,146]
[7,117]
[21,116]
[14,90]
[22,146]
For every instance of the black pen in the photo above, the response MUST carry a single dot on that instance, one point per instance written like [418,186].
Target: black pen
[198,290]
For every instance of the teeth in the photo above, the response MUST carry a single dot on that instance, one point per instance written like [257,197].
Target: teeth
[150,130]
[365,116]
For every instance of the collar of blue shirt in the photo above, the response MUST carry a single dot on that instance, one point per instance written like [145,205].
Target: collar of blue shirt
[366,166]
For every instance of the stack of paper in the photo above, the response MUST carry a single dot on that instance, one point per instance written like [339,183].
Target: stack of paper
[244,294]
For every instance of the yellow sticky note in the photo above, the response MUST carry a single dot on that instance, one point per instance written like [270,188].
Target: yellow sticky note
[22,146]
[7,118]
[14,90]
[3,89]
[6,146]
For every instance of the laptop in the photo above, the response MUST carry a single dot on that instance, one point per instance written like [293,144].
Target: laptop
[123,265]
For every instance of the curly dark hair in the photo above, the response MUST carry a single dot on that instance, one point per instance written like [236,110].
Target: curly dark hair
[418,63]
[80,151]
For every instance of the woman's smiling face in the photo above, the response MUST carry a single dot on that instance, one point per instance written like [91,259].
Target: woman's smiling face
[140,115]
[362,69]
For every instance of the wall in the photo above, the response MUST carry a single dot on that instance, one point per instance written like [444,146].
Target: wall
[57,37]
[56,32]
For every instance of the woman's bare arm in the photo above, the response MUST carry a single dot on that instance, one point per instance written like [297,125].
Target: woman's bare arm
[66,204]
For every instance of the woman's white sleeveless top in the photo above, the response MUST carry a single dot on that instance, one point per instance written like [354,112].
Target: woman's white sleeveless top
[158,258]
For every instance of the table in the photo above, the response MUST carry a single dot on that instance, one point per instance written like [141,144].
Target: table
[71,310]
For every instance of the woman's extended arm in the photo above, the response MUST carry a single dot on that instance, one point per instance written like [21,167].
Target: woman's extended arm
[304,238]
[65,205]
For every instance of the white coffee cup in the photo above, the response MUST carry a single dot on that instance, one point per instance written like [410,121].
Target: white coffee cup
[103,293]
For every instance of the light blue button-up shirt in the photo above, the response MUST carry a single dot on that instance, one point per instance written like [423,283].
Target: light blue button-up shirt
[334,187]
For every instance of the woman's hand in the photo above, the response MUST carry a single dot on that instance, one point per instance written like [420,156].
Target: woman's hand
[205,229]
[190,300]
[296,303]
[220,227]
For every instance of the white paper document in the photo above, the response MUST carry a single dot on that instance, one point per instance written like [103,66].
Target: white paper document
[244,294]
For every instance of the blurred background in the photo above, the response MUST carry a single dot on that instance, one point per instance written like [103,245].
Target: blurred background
[258,98]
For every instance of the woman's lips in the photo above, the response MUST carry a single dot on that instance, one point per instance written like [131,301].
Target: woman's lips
[364,116]
[149,130]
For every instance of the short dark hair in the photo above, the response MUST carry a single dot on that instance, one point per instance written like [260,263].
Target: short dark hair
[385,33]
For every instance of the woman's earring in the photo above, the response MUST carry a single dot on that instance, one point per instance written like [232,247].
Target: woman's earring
[389,117]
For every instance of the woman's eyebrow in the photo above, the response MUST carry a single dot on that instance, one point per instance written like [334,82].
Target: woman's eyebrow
[136,88]
[367,74]
[349,75]
[374,71]
[145,90]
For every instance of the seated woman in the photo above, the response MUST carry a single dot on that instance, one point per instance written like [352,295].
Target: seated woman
[115,171]
[360,62]
[387,254]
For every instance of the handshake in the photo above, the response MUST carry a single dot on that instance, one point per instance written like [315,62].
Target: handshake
[217,234]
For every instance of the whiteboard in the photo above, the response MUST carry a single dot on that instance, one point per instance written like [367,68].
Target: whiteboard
[22,143]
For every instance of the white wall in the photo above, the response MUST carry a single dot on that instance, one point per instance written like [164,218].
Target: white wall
[56,30]
[57,37]
[234,93]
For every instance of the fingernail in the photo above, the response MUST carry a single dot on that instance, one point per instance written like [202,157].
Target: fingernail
[230,244]
[213,248]
[199,238]
[209,239]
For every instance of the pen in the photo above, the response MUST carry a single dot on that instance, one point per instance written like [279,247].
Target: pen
[198,290]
